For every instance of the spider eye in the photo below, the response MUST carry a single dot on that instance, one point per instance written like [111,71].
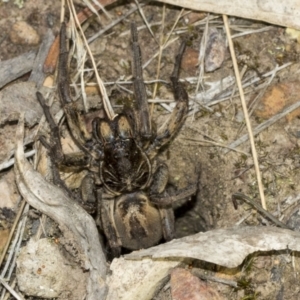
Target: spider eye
[124,128]
[105,132]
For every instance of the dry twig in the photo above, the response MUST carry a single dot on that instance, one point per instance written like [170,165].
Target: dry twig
[78,227]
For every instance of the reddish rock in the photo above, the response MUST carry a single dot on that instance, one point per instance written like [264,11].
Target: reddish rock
[185,286]
[277,98]
[190,60]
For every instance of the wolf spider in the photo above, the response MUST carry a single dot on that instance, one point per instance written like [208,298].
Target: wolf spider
[133,207]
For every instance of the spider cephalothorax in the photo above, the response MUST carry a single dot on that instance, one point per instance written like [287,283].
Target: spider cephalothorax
[126,166]
[133,208]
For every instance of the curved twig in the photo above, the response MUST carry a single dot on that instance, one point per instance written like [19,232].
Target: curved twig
[80,235]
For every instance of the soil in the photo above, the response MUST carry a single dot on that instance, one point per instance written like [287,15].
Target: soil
[200,150]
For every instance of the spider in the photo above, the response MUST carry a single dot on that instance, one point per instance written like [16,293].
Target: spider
[132,205]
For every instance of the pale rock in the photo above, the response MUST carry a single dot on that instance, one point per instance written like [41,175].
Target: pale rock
[23,34]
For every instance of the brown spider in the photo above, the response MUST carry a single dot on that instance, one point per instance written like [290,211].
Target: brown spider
[133,208]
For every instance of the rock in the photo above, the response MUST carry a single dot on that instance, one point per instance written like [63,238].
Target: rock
[193,17]
[23,34]
[185,286]
[137,279]
[20,97]
[8,191]
[215,50]
[42,271]
[190,60]
[293,34]
[278,97]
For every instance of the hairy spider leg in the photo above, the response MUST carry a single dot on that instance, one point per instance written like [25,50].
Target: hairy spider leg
[170,128]
[75,123]
[55,149]
[142,110]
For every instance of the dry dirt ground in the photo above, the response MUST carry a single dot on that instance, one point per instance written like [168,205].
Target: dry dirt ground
[199,150]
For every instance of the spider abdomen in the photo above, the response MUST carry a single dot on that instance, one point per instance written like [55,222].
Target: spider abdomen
[136,221]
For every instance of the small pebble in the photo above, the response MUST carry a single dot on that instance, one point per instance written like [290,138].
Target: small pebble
[190,60]
[215,50]
[294,220]
[277,97]
[23,34]
[293,34]
[193,17]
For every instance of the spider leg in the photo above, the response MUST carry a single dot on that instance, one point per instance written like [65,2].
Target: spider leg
[164,203]
[165,199]
[59,160]
[177,118]
[55,148]
[160,180]
[142,110]
[156,190]
[88,193]
[168,223]
[63,72]
[106,223]
[76,125]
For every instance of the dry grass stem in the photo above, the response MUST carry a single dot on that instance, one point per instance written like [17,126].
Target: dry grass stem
[41,229]
[8,163]
[113,23]
[201,57]
[106,103]
[265,125]
[10,289]
[260,209]
[157,53]
[262,91]
[16,222]
[267,28]
[244,218]
[17,231]
[248,124]
[94,10]
[143,17]
[251,81]
[162,44]
[139,28]
[214,144]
